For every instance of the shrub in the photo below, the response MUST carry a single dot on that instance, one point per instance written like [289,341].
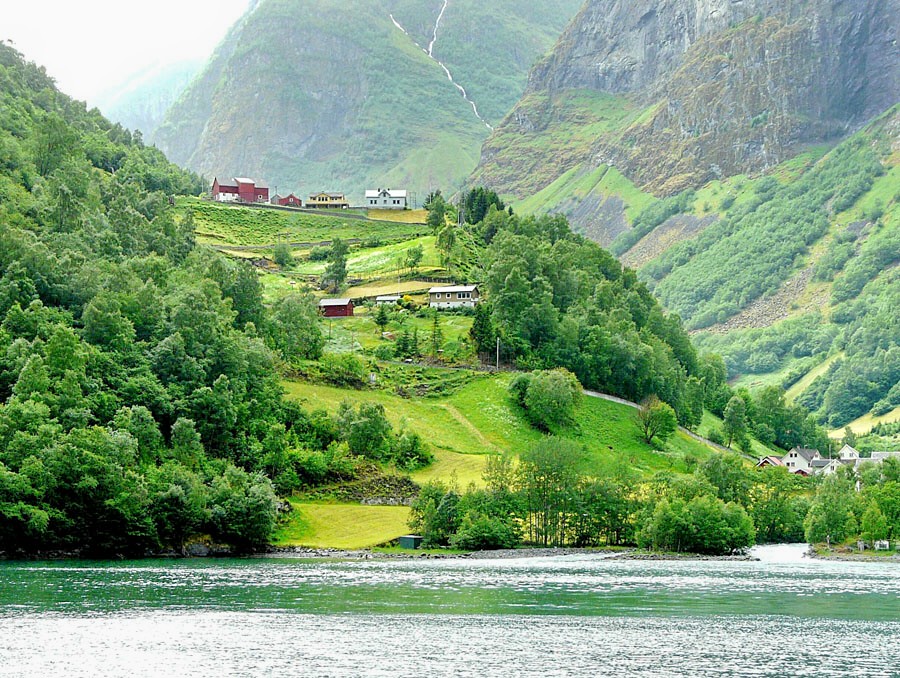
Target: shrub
[343,369]
[480,532]
[282,255]
[319,253]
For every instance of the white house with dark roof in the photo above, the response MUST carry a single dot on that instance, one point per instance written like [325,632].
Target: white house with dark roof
[454,296]
[799,460]
[386,199]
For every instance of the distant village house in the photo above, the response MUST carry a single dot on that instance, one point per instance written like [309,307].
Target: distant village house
[386,199]
[240,189]
[336,308]
[807,462]
[458,296]
[389,299]
[328,201]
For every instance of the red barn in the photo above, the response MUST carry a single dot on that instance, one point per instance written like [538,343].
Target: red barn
[336,308]
[240,189]
[290,201]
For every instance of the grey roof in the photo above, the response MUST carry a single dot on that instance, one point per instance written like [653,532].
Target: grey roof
[805,452]
[454,288]
[393,193]
[880,456]
[820,463]
[333,302]
[388,297]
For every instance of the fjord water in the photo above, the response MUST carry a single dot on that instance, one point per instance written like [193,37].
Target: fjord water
[582,614]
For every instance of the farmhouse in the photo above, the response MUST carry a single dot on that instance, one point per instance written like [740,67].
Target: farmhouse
[458,296]
[769,461]
[240,189]
[289,200]
[386,199]
[328,201]
[336,308]
[800,459]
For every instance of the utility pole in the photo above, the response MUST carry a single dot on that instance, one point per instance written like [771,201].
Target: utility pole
[498,354]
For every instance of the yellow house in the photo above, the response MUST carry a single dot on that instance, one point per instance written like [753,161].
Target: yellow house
[328,201]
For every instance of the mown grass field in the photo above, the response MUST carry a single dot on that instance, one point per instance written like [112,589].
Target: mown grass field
[400,216]
[341,526]
[479,418]
[248,226]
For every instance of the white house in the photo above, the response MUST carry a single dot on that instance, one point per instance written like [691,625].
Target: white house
[386,199]
[389,299]
[457,296]
[799,460]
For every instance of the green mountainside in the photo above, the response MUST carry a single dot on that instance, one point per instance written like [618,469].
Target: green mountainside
[343,95]
[743,157]
[675,96]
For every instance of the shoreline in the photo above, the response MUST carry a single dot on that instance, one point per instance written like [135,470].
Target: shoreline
[300,552]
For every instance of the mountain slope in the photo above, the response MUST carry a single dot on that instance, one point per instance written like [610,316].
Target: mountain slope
[696,90]
[141,102]
[320,95]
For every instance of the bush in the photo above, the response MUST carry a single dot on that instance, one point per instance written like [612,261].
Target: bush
[343,369]
[282,255]
[480,532]
[319,253]
[549,397]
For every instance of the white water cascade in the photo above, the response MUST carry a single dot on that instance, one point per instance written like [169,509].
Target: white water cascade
[430,53]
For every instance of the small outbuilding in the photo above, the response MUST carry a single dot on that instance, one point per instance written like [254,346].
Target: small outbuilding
[289,200]
[410,541]
[389,299]
[336,308]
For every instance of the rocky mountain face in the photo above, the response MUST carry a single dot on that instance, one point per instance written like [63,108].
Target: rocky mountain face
[341,95]
[718,87]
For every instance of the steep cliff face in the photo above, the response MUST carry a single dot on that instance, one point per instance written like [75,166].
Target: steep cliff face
[338,94]
[723,86]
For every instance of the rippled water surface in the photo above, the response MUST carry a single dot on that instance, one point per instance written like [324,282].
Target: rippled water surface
[568,615]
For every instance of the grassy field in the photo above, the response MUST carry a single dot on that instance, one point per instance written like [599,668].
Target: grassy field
[400,216]
[230,225]
[361,333]
[479,418]
[341,526]
[866,423]
[384,260]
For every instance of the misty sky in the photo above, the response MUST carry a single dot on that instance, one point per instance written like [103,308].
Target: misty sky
[89,46]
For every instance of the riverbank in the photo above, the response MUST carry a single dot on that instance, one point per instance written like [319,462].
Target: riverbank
[853,556]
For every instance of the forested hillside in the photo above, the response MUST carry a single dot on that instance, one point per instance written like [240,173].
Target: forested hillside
[767,218]
[348,95]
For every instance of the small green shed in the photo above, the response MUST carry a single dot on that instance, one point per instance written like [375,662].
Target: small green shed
[410,541]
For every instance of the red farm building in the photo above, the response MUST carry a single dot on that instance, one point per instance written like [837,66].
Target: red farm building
[290,200]
[240,189]
[336,308]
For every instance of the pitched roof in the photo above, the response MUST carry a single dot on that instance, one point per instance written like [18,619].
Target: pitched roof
[806,453]
[881,456]
[454,288]
[388,297]
[821,463]
[392,193]
[333,302]
[774,461]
